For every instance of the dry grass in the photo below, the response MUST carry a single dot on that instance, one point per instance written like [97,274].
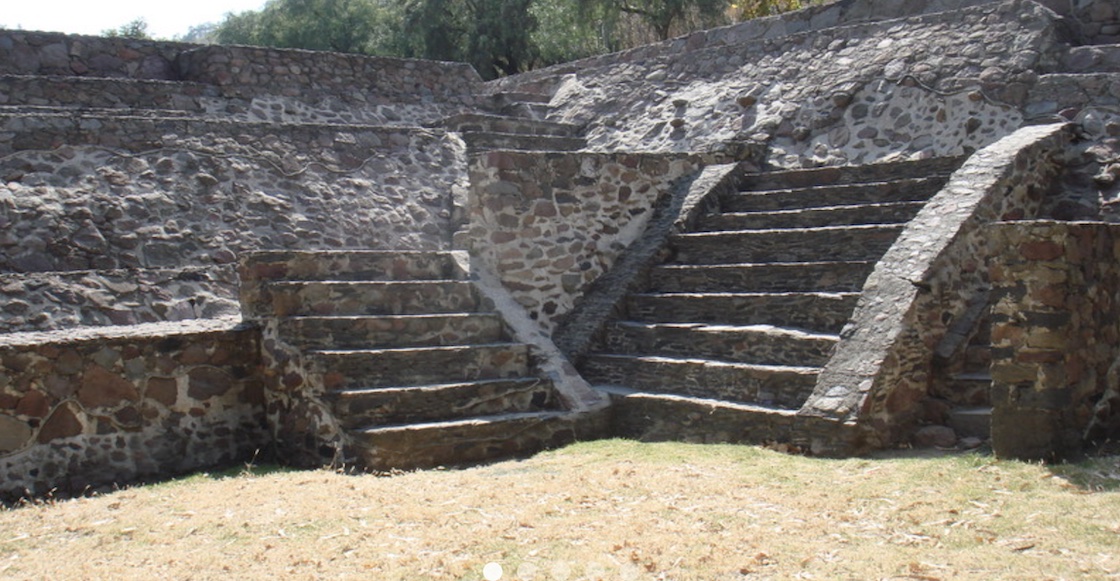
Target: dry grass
[603,510]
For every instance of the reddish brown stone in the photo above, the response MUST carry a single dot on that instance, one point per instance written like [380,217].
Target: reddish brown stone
[208,382]
[103,388]
[1038,356]
[165,390]
[8,401]
[1041,250]
[194,354]
[69,362]
[34,404]
[63,423]
[1051,295]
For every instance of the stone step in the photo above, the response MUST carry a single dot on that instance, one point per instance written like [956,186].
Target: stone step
[9,111]
[971,422]
[510,97]
[477,122]
[485,141]
[843,243]
[368,368]
[885,213]
[363,265]
[538,111]
[838,276]
[659,417]
[1054,94]
[104,93]
[757,344]
[851,174]
[813,311]
[824,196]
[971,388]
[772,385]
[393,330]
[326,298]
[357,408]
[1096,58]
[466,441]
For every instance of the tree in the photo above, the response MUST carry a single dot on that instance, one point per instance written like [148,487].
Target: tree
[662,15]
[493,35]
[354,26]
[137,28]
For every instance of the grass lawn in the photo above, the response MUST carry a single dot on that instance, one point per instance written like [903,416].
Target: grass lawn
[603,510]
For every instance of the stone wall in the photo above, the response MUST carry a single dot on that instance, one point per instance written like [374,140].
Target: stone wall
[550,224]
[110,193]
[95,407]
[48,53]
[880,372]
[936,85]
[1055,336]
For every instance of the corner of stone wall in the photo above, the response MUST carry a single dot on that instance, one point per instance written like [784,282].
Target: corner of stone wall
[880,372]
[1055,337]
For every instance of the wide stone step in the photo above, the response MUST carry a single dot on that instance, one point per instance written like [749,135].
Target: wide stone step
[905,190]
[845,243]
[851,174]
[483,140]
[772,385]
[759,344]
[104,93]
[885,213]
[1097,58]
[466,441]
[400,405]
[837,276]
[325,298]
[814,311]
[393,330]
[659,417]
[362,265]
[477,122]
[367,368]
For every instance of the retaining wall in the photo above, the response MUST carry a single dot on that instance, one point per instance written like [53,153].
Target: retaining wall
[95,407]
[1055,336]
[550,224]
[880,372]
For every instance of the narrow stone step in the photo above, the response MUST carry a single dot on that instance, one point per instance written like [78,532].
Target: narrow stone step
[839,276]
[478,122]
[757,344]
[974,422]
[660,417]
[483,140]
[971,389]
[814,311]
[365,368]
[509,97]
[843,243]
[822,196]
[325,298]
[362,265]
[1096,58]
[393,330]
[465,441]
[427,403]
[537,111]
[851,174]
[885,213]
[772,385]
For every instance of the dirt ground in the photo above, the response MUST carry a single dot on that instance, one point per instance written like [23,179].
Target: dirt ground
[604,510]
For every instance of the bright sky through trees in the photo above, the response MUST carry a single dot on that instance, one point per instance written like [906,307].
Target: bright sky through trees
[165,19]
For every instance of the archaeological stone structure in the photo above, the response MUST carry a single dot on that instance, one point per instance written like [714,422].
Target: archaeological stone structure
[863,225]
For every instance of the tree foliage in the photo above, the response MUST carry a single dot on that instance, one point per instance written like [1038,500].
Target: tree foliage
[355,26]
[137,28]
[662,16]
[493,35]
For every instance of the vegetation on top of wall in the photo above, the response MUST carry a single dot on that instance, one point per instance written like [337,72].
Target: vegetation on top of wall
[497,37]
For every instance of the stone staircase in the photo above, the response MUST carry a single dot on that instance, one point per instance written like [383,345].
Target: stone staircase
[515,121]
[734,327]
[415,366]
